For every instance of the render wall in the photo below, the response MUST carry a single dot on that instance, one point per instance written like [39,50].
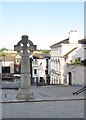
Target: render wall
[7,63]
[80,53]
[78,74]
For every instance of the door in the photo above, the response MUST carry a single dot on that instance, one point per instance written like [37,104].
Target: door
[70,78]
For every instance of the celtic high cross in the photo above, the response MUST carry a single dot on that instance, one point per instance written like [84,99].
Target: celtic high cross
[24,47]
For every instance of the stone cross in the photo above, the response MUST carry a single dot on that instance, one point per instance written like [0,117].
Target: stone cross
[24,48]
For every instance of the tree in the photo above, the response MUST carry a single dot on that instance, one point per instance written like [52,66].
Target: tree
[2,49]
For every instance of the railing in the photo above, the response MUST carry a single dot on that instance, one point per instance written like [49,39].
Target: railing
[79,91]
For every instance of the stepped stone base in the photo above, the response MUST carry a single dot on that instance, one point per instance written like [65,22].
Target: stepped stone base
[24,94]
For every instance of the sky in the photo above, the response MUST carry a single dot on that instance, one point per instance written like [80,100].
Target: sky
[45,23]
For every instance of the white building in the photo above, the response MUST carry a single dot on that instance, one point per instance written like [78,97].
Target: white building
[9,65]
[40,69]
[80,50]
[76,73]
[61,54]
[6,67]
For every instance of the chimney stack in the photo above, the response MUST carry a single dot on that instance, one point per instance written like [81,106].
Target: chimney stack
[73,36]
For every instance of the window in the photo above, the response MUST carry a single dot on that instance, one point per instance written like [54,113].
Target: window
[17,61]
[59,52]
[5,69]
[35,71]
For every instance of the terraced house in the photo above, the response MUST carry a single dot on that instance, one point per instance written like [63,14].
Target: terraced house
[9,65]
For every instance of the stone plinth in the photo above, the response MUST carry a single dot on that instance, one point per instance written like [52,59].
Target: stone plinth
[24,94]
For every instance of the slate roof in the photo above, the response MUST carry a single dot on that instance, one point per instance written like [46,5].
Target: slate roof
[8,58]
[66,41]
[82,41]
[41,55]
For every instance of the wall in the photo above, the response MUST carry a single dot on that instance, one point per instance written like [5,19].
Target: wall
[41,68]
[68,47]
[40,65]
[78,74]
[34,66]
[81,52]
[49,66]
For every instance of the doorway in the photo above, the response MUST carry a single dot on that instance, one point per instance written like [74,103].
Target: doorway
[70,78]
